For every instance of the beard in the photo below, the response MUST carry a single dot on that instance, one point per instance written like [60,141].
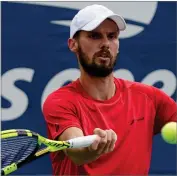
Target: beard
[94,69]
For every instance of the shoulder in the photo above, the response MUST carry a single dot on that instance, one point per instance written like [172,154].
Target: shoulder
[134,86]
[63,96]
[149,91]
[137,88]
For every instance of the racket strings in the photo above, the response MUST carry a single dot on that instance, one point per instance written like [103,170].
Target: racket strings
[16,149]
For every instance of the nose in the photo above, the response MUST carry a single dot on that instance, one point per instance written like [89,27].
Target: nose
[104,43]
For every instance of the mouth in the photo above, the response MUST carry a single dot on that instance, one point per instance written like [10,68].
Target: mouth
[103,58]
[104,55]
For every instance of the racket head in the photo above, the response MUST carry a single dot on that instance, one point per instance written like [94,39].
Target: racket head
[17,146]
[20,146]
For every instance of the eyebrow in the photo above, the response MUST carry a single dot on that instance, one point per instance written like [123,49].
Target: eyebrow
[111,32]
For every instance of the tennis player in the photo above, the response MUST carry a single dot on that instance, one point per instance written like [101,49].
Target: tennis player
[125,115]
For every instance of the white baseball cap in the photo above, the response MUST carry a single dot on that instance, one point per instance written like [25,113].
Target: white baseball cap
[90,17]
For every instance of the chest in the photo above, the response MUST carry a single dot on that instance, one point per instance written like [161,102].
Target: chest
[128,113]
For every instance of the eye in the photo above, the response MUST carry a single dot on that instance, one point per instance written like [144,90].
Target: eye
[95,35]
[112,36]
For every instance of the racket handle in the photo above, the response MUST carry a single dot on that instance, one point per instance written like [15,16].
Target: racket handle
[83,141]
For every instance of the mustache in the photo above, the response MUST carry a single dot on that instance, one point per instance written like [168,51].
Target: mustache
[103,53]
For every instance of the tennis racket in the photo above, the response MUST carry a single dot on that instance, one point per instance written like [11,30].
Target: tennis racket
[20,146]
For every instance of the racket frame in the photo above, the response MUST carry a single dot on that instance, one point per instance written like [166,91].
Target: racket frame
[51,146]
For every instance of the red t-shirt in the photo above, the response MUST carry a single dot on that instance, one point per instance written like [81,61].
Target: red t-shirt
[136,112]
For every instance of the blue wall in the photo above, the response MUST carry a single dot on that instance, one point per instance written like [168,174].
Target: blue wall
[36,60]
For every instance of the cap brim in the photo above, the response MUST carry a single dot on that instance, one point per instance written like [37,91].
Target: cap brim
[96,22]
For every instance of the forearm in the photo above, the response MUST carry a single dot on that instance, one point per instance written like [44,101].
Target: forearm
[82,155]
[104,143]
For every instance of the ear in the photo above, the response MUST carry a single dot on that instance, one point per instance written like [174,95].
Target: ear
[73,45]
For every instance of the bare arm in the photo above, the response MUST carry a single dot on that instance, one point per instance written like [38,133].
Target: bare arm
[104,143]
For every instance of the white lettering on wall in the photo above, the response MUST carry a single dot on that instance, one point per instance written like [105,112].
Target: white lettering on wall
[58,80]
[166,77]
[17,97]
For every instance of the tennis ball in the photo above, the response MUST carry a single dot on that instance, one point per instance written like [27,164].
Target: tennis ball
[169,133]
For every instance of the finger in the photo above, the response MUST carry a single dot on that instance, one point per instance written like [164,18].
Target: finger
[113,141]
[100,132]
[109,141]
[102,144]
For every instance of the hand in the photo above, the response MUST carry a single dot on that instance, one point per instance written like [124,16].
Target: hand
[105,141]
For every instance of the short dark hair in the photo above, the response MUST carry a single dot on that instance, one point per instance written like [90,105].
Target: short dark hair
[76,35]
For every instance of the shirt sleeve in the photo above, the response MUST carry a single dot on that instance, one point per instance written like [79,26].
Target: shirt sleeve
[166,110]
[60,114]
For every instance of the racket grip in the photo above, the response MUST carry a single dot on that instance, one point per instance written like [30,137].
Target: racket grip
[83,141]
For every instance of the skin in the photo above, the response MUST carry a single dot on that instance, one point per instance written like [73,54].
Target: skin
[100,47]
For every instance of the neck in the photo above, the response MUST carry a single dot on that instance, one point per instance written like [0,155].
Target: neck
[98,88]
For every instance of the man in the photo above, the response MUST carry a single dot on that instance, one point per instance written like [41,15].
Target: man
[125,115]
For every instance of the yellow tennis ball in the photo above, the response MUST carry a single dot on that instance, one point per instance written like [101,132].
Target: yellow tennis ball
[169,133]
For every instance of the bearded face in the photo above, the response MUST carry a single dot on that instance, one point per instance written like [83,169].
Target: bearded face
[97,50]
[101,64]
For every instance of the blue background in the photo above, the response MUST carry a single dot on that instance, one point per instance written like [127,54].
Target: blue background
[29,40]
